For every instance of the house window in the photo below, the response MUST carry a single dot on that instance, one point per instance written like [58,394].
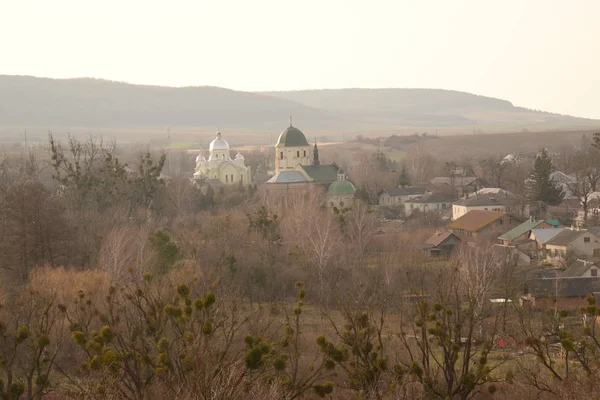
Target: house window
[444,206]
[594,272]
[586,240]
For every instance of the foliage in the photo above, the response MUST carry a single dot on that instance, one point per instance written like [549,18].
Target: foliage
[541,186]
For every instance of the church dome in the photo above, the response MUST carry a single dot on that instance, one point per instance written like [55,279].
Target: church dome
[292,137]
[200,158]
[218,143]
[239,156]
[341,187]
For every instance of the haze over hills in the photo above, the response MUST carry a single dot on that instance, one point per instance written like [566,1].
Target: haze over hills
[29,101]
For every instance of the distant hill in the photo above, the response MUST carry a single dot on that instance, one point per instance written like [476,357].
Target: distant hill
[29,101]
[427,108]
[87,102]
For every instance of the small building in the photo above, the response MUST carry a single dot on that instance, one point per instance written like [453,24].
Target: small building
[579,242]
[438,202]
[397,196]
[341,192]
[490,199]
[441,244]
[581,269]
[480,222]
[522,231]
[560,292]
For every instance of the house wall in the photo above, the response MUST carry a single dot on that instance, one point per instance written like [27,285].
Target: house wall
[586,248]
[386,200]
[409,208]
[590,272]
[458,211]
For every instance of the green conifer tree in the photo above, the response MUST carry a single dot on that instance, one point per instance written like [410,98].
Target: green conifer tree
[403,179]
[541,186]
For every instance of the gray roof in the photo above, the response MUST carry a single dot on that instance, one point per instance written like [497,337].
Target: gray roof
[287,177]
[438,238]
[503,198]
[577,268]
[321,173]
[405,191]
[543,235]
[432,198]
[292,137]
[563,287]
[565,237]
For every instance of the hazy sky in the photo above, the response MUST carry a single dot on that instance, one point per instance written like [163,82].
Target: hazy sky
[542,54]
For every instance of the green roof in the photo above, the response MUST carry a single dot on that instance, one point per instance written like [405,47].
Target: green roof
[341,187]
[292,137]
[525,227]
[321,173]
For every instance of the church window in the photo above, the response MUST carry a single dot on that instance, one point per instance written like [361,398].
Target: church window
[298,154]
[281,155]
[304,153]
[242,178]
[226,178]
[231,178]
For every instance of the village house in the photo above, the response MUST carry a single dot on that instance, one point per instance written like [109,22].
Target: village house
[438,202]
[523,230]
[489,199]
[441,244]
[394,197]
[579,242]
[478,223]
[461,185]
[581,269]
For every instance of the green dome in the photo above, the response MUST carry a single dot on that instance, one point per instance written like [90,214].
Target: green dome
[291,137]
[341,187]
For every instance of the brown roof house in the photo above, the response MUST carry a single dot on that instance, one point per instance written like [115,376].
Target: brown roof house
[481,222]
[441,244]
[579,242]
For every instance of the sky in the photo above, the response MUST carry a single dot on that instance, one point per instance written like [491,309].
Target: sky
[540,54]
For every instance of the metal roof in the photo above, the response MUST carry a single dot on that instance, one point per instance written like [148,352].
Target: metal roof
[287,177]
[321,173]
[524,228]
[543,235]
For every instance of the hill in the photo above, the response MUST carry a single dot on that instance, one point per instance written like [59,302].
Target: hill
[87,102]
[430,108]
[94,103]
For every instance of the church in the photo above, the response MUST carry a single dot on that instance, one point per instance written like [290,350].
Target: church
[296,169]
[220,168]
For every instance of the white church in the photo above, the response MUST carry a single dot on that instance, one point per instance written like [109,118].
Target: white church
[220,168]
